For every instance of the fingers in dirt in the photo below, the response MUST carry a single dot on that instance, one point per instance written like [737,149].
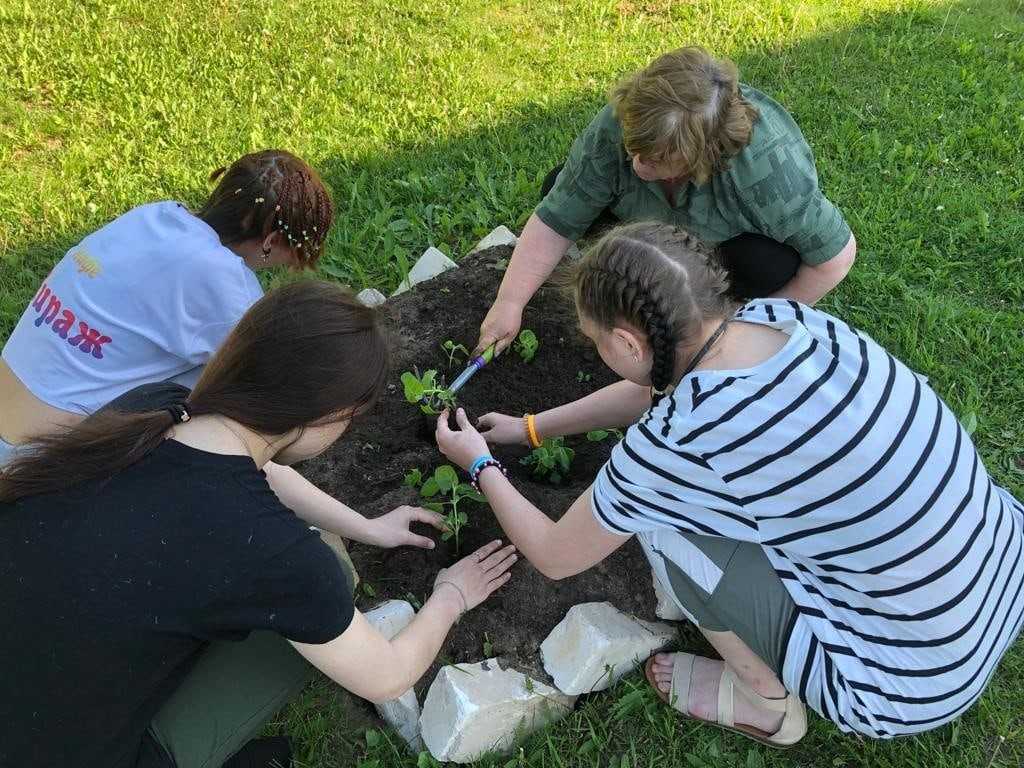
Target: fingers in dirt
[486,550]
[498,557]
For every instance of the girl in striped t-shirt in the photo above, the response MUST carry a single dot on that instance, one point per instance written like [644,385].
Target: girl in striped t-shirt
[804,497]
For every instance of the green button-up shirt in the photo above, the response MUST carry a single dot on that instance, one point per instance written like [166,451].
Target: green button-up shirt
[770,188]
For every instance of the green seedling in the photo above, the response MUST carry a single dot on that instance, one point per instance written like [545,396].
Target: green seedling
[583,377]
[453,351]
[526,345]
[427,391]
[448,493]
[597,435]
[413,478]
[488,646]
[551,461]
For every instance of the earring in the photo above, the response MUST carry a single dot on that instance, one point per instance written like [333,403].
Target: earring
[266,253]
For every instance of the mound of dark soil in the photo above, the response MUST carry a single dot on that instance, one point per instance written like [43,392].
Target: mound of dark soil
[365,469]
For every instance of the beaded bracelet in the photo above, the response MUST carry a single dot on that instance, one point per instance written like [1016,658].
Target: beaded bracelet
[474,476]
[477,462]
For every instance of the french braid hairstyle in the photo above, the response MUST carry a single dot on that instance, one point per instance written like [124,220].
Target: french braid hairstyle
[658,278]
[267,191]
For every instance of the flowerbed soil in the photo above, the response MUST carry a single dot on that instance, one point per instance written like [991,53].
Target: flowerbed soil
[366,467]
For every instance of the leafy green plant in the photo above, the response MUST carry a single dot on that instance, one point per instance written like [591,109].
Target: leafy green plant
[551,461]
[526,345]
[448,493]
[583,377]
[413,478]
[427,391]
[453,351]
[597,435]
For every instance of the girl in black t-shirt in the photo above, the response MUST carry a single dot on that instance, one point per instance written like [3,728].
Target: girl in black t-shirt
[157,586]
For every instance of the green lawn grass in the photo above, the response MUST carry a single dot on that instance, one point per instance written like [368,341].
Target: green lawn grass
[435,120]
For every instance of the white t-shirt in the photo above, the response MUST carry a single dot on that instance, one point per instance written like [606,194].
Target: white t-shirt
[148,297]
[902,556]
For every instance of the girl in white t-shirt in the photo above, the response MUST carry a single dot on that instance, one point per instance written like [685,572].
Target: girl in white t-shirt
[802,496]
[150,296]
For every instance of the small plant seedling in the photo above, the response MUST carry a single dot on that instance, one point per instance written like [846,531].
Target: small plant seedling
[551,461]
[453,351]
[583,377]
[427,391]
[597,435]
[448,492]
[368,589]
[526,345]
[488,646]
[413,478]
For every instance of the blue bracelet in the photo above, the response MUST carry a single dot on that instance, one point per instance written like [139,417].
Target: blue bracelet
[475,466]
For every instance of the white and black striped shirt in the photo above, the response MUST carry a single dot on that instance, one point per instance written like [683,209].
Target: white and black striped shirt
[904,559]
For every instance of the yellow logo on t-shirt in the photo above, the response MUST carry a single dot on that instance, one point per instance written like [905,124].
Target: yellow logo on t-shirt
[86,263]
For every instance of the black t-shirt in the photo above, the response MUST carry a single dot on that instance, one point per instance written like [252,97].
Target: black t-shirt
[111,590]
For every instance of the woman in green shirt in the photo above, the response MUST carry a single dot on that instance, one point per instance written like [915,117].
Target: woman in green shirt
[684,142]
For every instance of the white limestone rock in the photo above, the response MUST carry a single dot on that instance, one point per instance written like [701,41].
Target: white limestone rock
[500,235]
[472,709]
[403,713]
[666,607]
[431,264]
[371,297]
[596,644]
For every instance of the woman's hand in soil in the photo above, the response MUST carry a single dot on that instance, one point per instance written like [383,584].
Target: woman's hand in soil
[462,446]
[500,326]
[499,429]
[476,576]
[392,529]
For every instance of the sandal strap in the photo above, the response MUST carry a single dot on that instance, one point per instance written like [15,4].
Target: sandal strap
[682,679]
[772,705]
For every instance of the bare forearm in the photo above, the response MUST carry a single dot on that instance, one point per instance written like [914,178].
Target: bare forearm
[316,507]
[419,643]
[617,405]
[536,255]
[525,525]
[812,283]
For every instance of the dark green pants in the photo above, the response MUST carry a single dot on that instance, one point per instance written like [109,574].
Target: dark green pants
[743,594]
[231,693]
[224,702]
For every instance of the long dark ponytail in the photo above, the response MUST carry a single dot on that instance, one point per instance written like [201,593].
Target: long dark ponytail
[307,353]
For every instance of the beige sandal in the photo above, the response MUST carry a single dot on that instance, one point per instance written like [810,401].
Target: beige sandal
[794,721]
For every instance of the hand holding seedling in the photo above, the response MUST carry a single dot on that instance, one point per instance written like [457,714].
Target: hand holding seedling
[475,577]
[499,429]
[392,529]
[463,445]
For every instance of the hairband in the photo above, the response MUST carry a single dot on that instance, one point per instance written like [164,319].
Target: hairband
[179,413]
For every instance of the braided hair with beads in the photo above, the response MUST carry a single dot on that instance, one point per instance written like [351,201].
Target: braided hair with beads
[271,191]
[658,278]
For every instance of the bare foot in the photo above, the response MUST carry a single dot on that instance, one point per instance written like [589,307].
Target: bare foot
[703,700]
